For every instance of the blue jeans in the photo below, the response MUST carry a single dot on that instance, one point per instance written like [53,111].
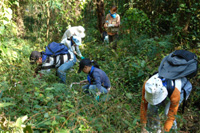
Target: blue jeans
[62,70]
[93,89]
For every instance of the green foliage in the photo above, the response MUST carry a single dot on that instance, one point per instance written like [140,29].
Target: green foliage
[180,18]
[53,107]
[51,18]
[7,26]
[136,22]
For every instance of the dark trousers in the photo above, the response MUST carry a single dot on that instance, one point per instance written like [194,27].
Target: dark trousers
[113,39]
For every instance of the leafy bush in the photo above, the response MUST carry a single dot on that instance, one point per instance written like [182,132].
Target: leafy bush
[53,107]
[135,22]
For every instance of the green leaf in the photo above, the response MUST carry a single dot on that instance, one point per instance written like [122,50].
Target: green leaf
[46,115]
[19,122]
[23,118]
[28,129]
[129,95]
[64,131]
[182,5]
[70,105]
[54,123]
[5,104]
[49,88]
[47,122]
[37,106]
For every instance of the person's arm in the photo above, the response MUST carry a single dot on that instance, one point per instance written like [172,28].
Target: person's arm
[67,43]
[118,21]
[84,81]
[174,99]
[78,52]
[106,22]
[143,110]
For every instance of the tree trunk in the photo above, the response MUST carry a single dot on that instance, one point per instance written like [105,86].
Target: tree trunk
[19,12]
[48,17]
[100,14]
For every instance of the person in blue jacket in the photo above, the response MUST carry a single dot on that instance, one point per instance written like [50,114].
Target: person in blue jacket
[97,79]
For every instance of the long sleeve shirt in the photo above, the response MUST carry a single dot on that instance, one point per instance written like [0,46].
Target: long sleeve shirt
[72,48]
[100,78]
[180,84]
[114,21]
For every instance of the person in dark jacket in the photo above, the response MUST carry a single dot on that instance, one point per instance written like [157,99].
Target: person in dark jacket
[97,78]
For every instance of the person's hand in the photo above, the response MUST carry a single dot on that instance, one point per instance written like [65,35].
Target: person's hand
[106,25]
[97,96]
[116,25]
[143,130]
[83,81]
[82,57]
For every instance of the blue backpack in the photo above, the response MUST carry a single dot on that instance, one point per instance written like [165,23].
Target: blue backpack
[54,49]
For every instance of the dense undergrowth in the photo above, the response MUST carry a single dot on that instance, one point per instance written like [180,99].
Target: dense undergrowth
[53,107]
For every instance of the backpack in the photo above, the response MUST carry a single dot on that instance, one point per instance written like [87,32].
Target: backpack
[170,86]
[178,64]
[54,49]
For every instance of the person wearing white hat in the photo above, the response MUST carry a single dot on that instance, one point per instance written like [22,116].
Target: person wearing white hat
[73,45]
[74,31]
[155,95]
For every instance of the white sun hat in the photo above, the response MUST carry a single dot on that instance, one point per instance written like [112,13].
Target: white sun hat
[80,30]
[74,31]
[155,92]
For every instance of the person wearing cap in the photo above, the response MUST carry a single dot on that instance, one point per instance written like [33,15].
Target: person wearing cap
[112,24]
[97,78]
[155,96]
[44,66]
[73,45]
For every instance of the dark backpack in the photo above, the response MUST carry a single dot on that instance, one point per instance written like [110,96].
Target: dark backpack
[54,49]
[178,64]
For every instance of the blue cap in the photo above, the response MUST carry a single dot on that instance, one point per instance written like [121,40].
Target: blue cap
[77,40]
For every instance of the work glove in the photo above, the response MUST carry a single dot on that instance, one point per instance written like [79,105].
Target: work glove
[98,96]
[82,57]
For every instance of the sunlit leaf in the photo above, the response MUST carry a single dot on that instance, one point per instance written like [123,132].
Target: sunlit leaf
[5,104]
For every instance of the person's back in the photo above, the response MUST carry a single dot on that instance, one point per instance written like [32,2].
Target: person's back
[154,95]
[45,63]
[101,77]
[55,62]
